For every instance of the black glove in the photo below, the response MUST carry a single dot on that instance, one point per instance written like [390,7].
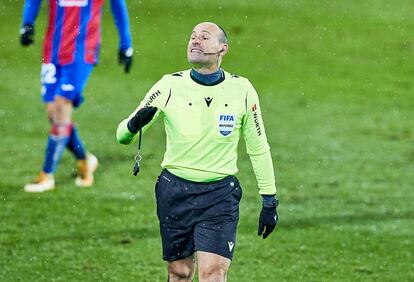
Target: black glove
[268,216]
[27,34]
[125,58]
[141,118]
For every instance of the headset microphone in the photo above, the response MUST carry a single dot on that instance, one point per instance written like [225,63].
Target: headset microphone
[213,53]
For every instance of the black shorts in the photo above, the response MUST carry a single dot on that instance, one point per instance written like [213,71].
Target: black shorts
[197,216]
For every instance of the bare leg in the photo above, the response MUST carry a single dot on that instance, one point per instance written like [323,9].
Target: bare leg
[60,110]
[181,270]
[60,114]
[212,267]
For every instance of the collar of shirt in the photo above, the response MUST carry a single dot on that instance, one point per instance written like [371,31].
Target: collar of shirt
[208,79]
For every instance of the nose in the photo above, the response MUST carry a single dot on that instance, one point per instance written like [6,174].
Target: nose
[195,40]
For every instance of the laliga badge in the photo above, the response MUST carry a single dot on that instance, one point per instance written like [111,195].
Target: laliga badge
[226,124]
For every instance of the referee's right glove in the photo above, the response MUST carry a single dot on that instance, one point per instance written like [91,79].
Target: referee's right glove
[27,34]
[141,118]
[268,215]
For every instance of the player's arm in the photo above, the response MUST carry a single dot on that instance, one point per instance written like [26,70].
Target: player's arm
[30,12]
[261,159]
[148,111]
[120,14]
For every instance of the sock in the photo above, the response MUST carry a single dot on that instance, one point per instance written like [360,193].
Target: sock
[75,144]
[57,141]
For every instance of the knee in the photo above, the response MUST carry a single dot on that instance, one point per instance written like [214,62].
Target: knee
[61,110]
[61,103]
[213,273]
[182,274]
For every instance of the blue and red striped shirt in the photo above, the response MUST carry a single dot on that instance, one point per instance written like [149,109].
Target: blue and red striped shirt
[74,29]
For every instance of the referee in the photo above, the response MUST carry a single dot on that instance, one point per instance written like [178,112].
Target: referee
[205,111]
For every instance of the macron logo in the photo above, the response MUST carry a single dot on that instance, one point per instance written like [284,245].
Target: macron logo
[231,245]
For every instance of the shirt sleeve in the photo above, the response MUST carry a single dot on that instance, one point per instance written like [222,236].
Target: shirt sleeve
[30,11]
[157,96]
[120,14]
[256,143]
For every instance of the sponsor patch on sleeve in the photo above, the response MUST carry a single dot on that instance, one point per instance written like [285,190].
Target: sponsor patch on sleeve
[152,97]
[256,120]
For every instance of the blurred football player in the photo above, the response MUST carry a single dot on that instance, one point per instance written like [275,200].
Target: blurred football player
[70,51]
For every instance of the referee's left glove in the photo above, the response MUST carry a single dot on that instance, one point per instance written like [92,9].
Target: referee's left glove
[27,34]
[268,215]
[125,58]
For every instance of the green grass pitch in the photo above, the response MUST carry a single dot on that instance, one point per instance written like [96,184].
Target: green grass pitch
[335,79]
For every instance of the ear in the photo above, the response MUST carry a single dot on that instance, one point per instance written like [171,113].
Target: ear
[224,49]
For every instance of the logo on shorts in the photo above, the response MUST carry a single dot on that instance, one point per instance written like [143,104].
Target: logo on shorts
[73,3]
[226,124]
[231,245]
[67,87]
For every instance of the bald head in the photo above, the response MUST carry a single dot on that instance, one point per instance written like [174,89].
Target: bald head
[221,34]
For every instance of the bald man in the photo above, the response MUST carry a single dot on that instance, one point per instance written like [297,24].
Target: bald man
[205,111]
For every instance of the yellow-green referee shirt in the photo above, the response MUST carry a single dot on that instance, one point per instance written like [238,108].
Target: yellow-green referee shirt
[203,125]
